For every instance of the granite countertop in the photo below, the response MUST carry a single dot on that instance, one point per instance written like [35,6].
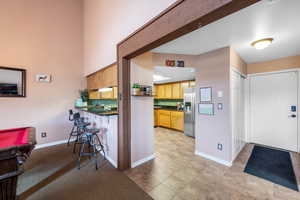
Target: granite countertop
[98,111]
[172,108]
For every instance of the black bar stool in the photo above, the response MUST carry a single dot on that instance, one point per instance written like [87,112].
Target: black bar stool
[91,140]
[78,128]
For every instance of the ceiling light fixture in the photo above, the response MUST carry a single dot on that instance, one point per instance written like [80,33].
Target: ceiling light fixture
[263,43]
[157,77]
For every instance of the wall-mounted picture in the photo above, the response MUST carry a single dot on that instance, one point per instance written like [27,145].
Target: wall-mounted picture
[170,63]
[180,63]
[43,78]
[205,94]
[12,82]
[206,108]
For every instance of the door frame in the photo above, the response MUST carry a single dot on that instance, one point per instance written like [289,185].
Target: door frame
[248,96]
[166,27]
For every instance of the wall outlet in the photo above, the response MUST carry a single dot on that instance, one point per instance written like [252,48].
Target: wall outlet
[220,147]
[44,134]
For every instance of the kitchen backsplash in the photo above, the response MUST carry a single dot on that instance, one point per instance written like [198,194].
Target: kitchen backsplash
[98,102]
[167,102]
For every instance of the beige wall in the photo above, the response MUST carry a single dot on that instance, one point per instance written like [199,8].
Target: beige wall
[42,36]
[107,22]
[274,65]
[142,116]
[237,62]
[214,71]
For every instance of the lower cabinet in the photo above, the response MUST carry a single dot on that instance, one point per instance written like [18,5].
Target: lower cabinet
[170,119]
[164,118]
[177,120]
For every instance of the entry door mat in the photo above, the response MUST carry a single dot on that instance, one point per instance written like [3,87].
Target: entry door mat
[273,165]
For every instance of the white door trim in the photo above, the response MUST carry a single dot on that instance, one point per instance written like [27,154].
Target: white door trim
[248,135]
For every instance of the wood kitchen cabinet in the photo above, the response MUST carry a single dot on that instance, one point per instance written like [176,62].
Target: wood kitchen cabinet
[177,120]
[169,119]
[160,91]
[164,118]
[176,91]
[103,78]
[168,91]
[155,117]
[172,90]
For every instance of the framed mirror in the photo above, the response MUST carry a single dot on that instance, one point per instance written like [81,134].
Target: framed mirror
[12,82]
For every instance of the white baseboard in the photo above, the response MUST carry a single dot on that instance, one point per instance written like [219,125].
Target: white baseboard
[39,146]
[223,162]
[139,162]
[110,160]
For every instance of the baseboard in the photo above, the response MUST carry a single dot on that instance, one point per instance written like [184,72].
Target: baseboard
[110,160]
[223,162]
[39,146]
[139,162]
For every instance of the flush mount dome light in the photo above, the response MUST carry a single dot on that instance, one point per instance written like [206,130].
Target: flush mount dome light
[263,43]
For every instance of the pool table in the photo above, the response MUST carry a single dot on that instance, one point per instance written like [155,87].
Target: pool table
[15,147]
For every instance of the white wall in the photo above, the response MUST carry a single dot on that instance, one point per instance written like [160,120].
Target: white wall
[214,71]
[107,22]
[142,116]
[43,37]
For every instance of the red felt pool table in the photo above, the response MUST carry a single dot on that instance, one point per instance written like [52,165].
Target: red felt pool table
[15,147]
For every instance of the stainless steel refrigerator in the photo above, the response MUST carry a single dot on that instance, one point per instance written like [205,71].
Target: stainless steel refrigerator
[189,111]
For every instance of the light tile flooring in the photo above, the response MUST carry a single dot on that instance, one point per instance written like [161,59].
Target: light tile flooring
[178,174]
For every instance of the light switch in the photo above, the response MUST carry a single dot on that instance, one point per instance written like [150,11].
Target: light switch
[220,94]
[220,106]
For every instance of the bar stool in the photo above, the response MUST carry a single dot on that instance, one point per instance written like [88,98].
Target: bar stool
[74,130]
[91,139]
[79,128]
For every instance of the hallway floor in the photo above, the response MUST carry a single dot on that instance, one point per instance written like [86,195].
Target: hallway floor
[177,174]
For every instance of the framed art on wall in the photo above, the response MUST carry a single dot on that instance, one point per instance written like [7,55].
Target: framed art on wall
[205,94]
[206,108]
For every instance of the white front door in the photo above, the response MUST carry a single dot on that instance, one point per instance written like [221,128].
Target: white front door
[272,119]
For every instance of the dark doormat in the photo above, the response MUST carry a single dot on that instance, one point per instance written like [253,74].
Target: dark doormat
[273,165]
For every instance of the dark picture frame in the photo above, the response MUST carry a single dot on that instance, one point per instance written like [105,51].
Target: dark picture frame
[23,87]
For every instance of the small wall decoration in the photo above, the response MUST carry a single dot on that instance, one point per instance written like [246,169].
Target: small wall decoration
[206,108]
[170,63]
[180,63]
[43,78]
[206,94]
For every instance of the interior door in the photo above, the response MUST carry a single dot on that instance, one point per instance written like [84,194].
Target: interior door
[273,119]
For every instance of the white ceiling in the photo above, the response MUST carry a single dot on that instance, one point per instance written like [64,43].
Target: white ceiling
[174,73]
[279,19]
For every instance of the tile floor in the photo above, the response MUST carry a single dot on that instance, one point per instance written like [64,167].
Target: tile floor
[178,174]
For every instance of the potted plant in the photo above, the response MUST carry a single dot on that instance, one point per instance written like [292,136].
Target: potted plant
[84,95]
[136,89]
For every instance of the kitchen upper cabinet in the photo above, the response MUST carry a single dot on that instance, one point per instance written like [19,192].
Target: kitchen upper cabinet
[177,120]
[168,91]
[192,83]
[104,78]
[164,118]
[91,82]
[115,91]
[176,91]
[160,91]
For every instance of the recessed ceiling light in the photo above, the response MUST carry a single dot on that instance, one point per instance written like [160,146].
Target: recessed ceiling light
[263,43]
